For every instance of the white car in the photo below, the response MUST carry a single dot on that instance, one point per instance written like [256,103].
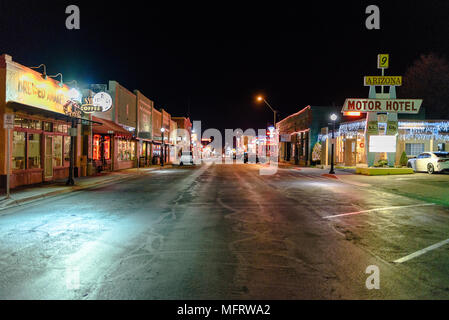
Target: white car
[186,159]
[430,162]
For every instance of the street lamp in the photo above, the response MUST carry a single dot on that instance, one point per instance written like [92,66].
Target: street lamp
[163,147]
[260,99]
[333,118]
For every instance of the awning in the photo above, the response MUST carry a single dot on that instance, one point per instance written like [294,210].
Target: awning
[18,107]
[109,127]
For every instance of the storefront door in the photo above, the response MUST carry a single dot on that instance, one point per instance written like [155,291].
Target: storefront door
[48,169]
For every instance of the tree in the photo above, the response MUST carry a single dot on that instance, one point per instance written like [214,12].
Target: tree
[404,160]
[428,79]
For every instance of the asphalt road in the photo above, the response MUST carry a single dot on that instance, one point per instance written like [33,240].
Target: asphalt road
[225,232]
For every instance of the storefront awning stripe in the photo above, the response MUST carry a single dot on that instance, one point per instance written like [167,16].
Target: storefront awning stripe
[109,127]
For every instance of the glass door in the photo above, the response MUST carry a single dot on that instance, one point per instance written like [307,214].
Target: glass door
[48,170]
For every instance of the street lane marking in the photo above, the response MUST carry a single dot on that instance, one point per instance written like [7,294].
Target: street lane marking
[379,209]
[421,252]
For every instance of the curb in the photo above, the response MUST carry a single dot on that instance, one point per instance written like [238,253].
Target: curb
[331,176]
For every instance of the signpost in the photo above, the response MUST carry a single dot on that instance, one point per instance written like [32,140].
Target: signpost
[8,123]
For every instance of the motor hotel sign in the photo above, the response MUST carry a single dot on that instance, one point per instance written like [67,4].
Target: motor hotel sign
[411,106]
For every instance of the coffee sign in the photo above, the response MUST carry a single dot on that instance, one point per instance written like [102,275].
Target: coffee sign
[101,102]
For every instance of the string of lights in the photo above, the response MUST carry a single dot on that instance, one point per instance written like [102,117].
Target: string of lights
[419,130]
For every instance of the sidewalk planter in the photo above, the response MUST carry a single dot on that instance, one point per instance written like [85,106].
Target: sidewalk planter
[383,171]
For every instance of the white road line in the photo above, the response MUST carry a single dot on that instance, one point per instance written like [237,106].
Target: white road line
[378,209]
[421,252]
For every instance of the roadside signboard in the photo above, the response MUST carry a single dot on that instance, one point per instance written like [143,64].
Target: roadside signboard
[383,81]
[410,106]
[372,128]
[8,122]
[392,128]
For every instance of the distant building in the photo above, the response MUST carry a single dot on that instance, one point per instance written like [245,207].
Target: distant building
[298,133]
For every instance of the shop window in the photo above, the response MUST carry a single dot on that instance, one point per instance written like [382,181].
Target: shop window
[18,151]
[57,151]
[67,141]
[126,150]
[413,149]
[48,127]
[35,124]
[34,151]
[61,128]
[18,122]
[107,148]
[96,147]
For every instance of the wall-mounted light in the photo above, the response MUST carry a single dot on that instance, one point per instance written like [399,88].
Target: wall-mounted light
[61,83]
[44,75]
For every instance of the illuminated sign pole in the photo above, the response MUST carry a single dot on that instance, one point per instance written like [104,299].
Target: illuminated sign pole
[383,62]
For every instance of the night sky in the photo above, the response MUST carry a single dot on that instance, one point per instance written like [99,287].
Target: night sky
[217,56]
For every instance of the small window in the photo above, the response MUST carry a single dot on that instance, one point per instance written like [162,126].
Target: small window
[18,122]
[34,151]
[57,151]
[413,149]
[18,151]
[48,127]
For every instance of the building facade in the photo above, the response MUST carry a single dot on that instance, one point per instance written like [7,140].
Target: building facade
[40,140]
[298,134]
[414,137]
[144,128]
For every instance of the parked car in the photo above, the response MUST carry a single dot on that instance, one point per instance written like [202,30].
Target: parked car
[186,159]
[430,162]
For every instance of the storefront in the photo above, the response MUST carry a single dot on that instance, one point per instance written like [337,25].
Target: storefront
[157,153]
[414,137]
[113,147]
[40,141]
[144,129]
[298,134]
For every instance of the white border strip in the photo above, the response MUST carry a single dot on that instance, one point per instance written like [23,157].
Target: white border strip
[421,252]
[378,209]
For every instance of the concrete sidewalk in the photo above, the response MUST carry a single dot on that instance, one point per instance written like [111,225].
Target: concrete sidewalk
[24,195]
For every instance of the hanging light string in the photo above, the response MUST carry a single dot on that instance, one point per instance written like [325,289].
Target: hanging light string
[419,130]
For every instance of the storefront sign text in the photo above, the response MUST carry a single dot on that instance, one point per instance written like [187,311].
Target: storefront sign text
[383,81]
[32,90]
[411,106]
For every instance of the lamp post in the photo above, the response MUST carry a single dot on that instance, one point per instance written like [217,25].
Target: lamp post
[163,147]
[274,111]
[333,118]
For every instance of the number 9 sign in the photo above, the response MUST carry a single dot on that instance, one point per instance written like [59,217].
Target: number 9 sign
[383,61]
